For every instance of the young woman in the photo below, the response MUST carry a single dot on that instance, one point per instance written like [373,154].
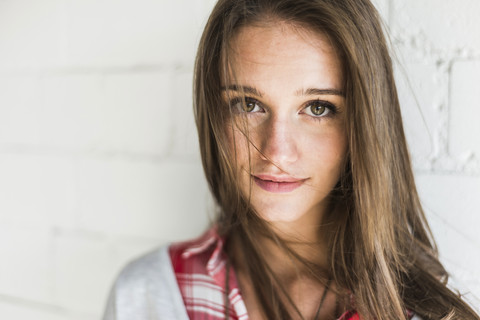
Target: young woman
[303,148]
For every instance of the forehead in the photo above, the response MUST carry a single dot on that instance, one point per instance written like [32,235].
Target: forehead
[283,51]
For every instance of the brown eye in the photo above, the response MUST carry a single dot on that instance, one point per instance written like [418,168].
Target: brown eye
[318,108]
[247,105]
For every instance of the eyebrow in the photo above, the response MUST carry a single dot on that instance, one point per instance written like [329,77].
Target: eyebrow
[302,92]
[245,89]
[316,91]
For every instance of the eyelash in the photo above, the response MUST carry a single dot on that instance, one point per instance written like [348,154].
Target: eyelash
[332,109]
[234,104]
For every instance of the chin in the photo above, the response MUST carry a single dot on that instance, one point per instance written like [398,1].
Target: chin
[279,212]
[279,217]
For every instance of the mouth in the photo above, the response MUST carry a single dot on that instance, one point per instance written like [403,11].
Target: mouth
[277,184]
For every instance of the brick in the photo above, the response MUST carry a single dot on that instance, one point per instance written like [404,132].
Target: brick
[451,204]
[139,111]
[116,112]
[72,111]
[166,201]
[454,200]
[20,100]
[456,254]
[420,98]
[465,281]
[145,32]
[445,24]
[32,34]
[25,269]
[37,190]
[185,138]
[81,272]
[86,111]
[462,264]
[465,108]
[22,310]
[449,239]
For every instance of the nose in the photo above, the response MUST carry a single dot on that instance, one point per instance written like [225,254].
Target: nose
[279,144]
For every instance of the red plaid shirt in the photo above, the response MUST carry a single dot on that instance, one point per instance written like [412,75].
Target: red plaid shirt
[200,269]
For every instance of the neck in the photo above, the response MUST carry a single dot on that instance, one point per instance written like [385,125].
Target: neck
[309,245]
[300,281]
[307,237]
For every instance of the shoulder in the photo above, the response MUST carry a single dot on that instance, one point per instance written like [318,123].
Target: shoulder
[146,288]
[141,271]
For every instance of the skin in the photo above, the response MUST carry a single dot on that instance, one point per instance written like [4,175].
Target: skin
[302,152]
[280,63]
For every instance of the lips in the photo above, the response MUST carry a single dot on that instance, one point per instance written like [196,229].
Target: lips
[277,184]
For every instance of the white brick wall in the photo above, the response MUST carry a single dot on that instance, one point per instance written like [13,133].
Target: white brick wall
[465,104]
[98,153]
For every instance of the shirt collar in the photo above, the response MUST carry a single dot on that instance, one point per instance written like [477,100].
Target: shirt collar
[211,246]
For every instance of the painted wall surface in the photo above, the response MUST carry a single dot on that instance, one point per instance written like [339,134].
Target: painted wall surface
[98,150]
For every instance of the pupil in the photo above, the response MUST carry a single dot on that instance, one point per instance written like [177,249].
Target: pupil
[318,109]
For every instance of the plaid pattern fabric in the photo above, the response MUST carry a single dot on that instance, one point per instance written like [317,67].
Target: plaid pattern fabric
[200,269]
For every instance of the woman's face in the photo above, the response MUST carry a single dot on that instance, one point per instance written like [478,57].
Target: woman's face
[293,113]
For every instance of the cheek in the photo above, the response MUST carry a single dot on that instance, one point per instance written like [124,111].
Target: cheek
[339,147]
[329,152]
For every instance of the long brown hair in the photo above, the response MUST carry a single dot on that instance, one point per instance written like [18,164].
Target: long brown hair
[381,248]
